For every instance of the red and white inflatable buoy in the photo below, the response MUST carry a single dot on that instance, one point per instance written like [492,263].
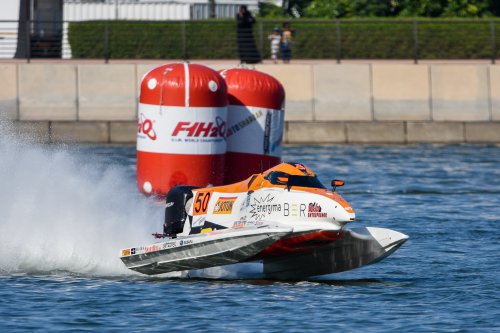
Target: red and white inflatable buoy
[255,121]
[182,128]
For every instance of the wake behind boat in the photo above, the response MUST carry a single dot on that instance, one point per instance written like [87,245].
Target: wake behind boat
[283,218]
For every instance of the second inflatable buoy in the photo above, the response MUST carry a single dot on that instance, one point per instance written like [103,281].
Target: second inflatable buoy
[255,122]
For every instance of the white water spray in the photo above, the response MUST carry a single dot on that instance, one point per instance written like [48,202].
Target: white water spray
[61,211]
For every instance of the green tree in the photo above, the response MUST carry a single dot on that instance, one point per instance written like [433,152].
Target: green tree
[333,8]
[268,9]
[425,8]
[380,8]
[351,8]
[494,7]
[329,9]
[408,8]
[466,8]
[295,8]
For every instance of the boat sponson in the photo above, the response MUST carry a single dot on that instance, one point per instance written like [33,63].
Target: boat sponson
[211,253]
[359,247]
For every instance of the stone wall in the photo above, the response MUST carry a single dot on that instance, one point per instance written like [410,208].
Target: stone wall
[325,103]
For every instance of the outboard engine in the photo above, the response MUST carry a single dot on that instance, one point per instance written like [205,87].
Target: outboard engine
[176,210]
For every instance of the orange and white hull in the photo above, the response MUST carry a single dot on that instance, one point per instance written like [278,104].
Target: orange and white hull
[274,253]
[282,221]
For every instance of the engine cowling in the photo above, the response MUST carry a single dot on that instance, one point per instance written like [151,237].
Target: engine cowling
[176,210]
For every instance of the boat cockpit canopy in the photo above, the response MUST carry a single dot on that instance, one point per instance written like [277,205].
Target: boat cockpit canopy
[283,178]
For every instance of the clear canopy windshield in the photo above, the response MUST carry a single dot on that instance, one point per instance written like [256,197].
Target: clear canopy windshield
[282,178]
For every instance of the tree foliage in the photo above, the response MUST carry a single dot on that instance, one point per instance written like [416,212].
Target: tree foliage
[398,8]
[270,10]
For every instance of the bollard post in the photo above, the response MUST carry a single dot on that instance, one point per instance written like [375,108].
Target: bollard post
[415,42]
[339,41]
[106,41]
[493,42]
[28,41]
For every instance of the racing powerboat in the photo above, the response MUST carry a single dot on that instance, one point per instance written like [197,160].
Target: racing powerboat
[284,219]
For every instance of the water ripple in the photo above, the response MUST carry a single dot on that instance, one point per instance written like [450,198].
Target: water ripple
[444,279]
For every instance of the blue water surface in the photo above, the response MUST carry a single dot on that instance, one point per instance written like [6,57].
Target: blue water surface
[444,279]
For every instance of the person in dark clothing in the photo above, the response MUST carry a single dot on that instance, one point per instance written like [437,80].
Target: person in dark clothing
[246,45]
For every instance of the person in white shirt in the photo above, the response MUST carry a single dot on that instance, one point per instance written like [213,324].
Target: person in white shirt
[275,38]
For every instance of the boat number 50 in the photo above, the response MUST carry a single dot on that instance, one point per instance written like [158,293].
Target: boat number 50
[201,203]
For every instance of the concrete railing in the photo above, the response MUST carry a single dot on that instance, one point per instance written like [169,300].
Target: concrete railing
[325,103]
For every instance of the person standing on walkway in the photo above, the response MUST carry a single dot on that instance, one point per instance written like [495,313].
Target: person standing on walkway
[275,38]
[286,43]
[246,45]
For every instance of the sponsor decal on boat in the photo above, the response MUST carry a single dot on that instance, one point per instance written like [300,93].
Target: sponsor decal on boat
[239,224]
[315,210]
[294,209]
[168,245]
[224,205]
[152,248]
[263,207]
[247,224]
[199,221]
[184,242]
